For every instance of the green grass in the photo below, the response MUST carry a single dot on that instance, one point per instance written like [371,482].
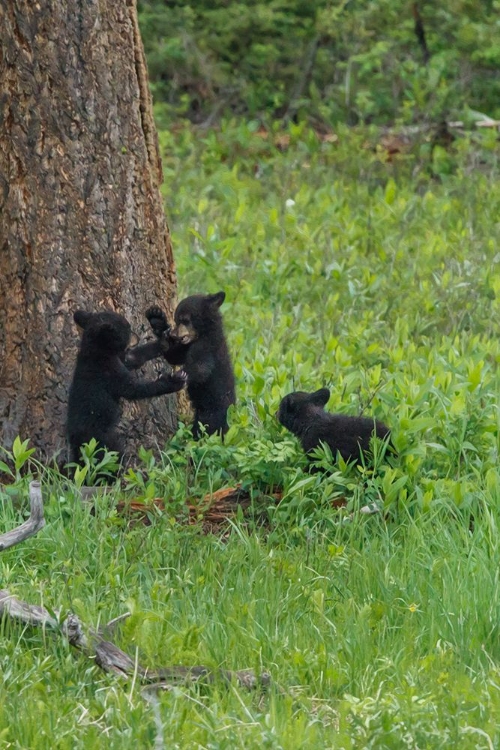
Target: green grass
[380,281]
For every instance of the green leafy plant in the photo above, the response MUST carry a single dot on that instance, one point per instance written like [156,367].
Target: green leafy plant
[18,458]
[99,466]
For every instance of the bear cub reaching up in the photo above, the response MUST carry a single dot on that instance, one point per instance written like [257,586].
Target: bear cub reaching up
[101,378]
[197,342]
[304,415]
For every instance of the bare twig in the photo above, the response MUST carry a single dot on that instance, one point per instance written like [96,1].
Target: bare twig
[110,626]
[486,122]
[30,527]
[420,32]
[112,659]
[306,68]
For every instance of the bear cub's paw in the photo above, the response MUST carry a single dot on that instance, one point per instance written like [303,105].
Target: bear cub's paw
[158,321]
[177,379]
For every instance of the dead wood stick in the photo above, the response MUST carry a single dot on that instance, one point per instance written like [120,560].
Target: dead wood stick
[110,626]
[30,527]
[420,32]
[112,659]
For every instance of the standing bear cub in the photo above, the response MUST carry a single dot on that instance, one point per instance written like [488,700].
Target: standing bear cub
[304,415]
[196,342]
[101,378]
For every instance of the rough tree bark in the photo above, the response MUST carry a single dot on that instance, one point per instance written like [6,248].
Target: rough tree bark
[81,217]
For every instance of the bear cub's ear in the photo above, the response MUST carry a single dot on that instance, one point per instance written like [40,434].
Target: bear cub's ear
[216,299]
[320,398]
[82,318]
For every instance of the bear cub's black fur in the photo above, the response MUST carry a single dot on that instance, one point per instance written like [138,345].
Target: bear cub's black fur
[197,342]
[304,415]
[101,378]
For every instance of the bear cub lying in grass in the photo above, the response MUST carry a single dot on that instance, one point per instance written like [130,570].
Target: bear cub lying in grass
[304,415]
[196,342]
[101,378]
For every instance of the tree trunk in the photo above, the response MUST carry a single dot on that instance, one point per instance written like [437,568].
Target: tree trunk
[81,217]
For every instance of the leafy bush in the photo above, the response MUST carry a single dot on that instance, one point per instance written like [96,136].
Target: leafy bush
[335,62]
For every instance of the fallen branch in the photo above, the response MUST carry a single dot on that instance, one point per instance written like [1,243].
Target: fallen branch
[213,511]
[486,122]
[112,659]
[30,527]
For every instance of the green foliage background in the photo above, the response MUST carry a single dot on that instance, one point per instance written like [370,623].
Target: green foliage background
[342,61]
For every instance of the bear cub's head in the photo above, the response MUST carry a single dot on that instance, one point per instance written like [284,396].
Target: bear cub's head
[299,407]
[197,316]
[106,332]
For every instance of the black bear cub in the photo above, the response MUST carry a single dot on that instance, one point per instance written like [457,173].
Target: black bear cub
[101,378]
[197,342]
[304,415]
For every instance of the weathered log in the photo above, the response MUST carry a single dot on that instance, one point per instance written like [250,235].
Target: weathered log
[32,526]
[112,659]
